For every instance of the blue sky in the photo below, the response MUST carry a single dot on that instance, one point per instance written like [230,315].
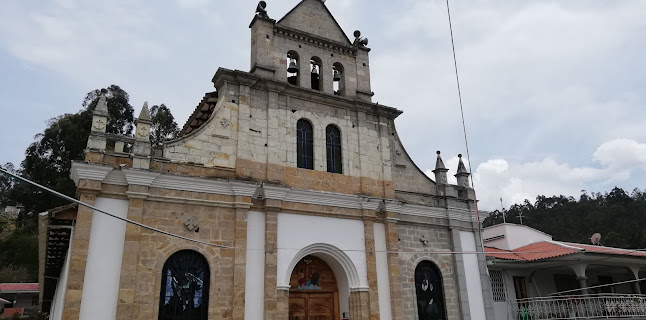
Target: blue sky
[553,90]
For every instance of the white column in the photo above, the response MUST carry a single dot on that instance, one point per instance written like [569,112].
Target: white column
[383,282]
[472,275]
[103,267]
[255,271]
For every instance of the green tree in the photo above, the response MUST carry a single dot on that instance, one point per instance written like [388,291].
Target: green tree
[619,217]
[6,185]
[164,126]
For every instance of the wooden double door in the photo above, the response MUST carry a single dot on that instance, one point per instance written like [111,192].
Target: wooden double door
[313,306]
[313,293]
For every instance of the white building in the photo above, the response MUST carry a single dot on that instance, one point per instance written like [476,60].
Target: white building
[534,276]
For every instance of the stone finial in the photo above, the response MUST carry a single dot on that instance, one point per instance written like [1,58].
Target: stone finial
[144,115]
[462,175]
[102,106]
[261,10]
[142,146]
[461,168]
[440,170]
[439,163]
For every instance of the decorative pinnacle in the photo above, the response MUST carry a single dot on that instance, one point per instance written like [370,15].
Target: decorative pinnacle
[102,106]
[144,115]
[439,164]
[462,170]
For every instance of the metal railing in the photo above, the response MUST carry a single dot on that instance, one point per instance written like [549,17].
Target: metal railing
[594,306]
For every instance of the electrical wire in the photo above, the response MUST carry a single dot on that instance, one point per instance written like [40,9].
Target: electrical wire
[60,195]
[599,286]
[430,251]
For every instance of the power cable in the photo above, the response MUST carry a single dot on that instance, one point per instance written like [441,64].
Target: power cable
[60,195]
[436,251]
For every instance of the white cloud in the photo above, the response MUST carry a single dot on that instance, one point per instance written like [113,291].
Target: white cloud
[617,160]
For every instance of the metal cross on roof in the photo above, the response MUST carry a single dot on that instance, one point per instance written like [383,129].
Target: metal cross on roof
[520,216]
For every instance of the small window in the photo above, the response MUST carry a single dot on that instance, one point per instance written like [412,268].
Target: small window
[304,144]
[293,68]
[333,146]
[317,80]
[184,290]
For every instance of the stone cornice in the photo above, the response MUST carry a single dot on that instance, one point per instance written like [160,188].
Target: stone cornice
[234,76]
[305,37]
[123,177]
[140,177]
[88,171]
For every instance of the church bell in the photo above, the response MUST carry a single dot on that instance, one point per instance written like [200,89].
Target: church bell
[293,68]
[337,75]
[315,70]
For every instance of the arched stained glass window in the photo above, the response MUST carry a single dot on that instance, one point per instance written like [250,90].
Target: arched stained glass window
[430,295]
[305,144]
[333,147]
[184,293]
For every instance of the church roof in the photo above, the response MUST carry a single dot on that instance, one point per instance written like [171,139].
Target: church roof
[201,113]
[551,249]
[314,17]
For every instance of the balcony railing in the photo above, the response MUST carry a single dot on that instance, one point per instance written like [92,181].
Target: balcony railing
[596,306]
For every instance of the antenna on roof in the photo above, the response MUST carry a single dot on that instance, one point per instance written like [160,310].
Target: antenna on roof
[503,211]
[596,239]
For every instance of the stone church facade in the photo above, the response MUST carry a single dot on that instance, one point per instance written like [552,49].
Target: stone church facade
[298,183]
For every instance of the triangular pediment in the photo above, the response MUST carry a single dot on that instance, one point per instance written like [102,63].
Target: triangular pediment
[312,16]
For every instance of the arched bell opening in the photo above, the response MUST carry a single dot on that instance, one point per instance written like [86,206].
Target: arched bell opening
[293,68]
[338,78]
[317,78]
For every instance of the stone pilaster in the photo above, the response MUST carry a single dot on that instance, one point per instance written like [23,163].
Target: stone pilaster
[80,245]
[360,305]
[371,263]
[460,275]
[239,263]
[392,245]
[127,308]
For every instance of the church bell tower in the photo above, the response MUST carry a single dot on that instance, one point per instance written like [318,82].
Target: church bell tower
[307,48]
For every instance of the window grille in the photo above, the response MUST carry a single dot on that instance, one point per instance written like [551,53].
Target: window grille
[497,285]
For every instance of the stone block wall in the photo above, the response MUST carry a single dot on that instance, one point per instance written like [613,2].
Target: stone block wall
[439,239]
[145,253]
[253,131]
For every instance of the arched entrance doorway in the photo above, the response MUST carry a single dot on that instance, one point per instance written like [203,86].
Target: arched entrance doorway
[313,291]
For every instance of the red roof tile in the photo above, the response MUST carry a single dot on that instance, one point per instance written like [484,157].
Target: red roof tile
[550,249]
[18,287]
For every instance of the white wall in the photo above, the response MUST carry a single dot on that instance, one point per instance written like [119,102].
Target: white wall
[515,236]
[58,301]
[255,268]
[296,232]
[104,255]
[383,283]
[472,275]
